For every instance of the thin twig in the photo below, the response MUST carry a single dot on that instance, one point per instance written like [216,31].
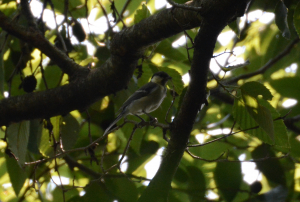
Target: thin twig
[106,16]
[163,126]
[199,158]
[122,12]
[56,28]
[225,136]
[115,10]
[268,65]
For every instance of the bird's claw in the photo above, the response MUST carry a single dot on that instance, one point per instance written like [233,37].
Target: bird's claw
[153,121]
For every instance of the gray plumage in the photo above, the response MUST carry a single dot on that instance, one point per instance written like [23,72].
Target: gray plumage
[145,100]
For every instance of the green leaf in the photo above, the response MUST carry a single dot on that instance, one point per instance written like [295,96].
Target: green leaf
[246,121]
[165,48]
[16,174]
[181,176]
[176,79]
[17,135]
[234,25]
[2,72]
[135,143]
[210,151]
[124,189]
[69,131]
[96,191]
[254,89]
[102,53]
[228,178]
[59,196]
[196,184]
[141,14]
[75,6]
[46,141]
[271,168]
[36,127]
[260,114]
[176,196]
[281,13]
[296,18]
[51,77]
[287,87]
[139,159]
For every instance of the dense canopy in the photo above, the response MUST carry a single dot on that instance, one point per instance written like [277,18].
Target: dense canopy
[228,129]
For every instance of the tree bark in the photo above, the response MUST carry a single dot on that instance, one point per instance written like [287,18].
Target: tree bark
[87,86]
[216,15]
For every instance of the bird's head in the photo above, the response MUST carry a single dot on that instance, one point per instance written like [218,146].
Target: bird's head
[160,78]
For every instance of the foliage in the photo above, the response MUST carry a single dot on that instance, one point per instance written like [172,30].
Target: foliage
[258,126]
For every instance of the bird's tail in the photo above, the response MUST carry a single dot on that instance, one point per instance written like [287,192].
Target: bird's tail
[113,123]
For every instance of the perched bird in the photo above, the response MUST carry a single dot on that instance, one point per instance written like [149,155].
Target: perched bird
[145,100]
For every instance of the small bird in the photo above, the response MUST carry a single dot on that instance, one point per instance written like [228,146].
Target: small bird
[145,100]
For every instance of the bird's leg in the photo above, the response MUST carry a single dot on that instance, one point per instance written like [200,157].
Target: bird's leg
[140,118]
[141,124]
[152,119]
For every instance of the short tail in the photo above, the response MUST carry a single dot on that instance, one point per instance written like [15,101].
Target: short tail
[113,123]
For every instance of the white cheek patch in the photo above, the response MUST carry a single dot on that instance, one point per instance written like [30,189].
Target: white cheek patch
[156,79]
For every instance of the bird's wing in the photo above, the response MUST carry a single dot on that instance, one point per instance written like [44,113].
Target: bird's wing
[142,92]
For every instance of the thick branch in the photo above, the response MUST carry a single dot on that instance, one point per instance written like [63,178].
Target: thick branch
[216,16]
[127,47]
[37,40]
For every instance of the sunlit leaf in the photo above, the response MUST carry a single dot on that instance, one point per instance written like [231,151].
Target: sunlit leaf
[260,114]
[141,14]
[165,48]
[18,135]
[51,78]
[254,89]
[287,87]
[246,121]
[46,142]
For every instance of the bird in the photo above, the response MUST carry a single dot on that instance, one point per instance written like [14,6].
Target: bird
[145,100]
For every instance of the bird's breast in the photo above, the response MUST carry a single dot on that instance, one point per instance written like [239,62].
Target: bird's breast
[149,103]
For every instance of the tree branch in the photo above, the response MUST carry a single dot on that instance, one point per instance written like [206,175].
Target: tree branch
[216,15]
[184,6]
[268,65]
[127,47]
[36,39]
